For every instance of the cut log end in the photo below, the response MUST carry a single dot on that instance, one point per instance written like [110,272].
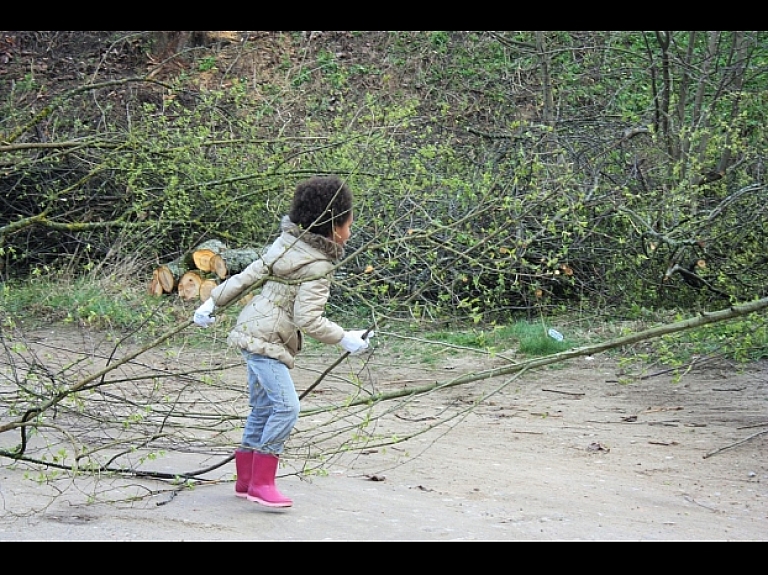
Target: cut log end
[189,286]
[155,288]
[219,266]
[169,274]
[202,259]
[166,278]
[206,287]
[202,254]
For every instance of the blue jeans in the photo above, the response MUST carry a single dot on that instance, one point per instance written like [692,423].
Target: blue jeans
[274,404]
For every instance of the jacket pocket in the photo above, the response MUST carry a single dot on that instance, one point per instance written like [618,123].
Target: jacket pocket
[290,337]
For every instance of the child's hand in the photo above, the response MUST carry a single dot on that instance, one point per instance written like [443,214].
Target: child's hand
[353,341]
[203,316]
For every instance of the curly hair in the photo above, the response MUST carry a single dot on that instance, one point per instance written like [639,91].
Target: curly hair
[320,203]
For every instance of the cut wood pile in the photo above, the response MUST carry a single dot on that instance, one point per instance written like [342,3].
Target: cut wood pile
[194,275]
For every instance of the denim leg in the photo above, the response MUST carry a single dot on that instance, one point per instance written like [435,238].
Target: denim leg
[257,400]
[274,404]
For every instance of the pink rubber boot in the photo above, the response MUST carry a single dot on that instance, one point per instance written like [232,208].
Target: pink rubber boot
[262,488]
[244,465]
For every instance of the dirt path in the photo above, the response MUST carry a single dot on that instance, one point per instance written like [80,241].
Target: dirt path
[566,453]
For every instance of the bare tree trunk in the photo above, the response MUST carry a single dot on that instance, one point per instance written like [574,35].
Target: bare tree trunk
[741,54]
[654,86]
[699,119]
[546,78]
[663,39]
[683,143]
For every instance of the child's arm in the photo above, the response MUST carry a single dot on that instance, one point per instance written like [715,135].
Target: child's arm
[232,287]
[308,315]
[309,310]
[229,290]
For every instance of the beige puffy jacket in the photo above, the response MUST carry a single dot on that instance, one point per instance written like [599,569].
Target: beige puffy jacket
[292,300]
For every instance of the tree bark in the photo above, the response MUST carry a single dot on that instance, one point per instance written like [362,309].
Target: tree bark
[232,261]
[663,39]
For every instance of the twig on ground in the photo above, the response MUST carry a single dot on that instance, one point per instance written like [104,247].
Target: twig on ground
[572,393]
[688,368]
[764,424]
[692,500]
[737,443]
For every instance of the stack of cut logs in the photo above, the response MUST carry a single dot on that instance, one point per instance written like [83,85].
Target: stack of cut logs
[195,274]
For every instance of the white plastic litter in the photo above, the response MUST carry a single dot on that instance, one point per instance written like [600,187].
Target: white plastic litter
[554,334]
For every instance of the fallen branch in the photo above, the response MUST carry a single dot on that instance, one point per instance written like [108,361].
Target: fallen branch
[735,311]
[88,380]
[692,323]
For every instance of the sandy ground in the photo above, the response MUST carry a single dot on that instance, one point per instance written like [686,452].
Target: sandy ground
[561,454]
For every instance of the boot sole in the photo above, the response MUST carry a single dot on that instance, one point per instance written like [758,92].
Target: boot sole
[269,503]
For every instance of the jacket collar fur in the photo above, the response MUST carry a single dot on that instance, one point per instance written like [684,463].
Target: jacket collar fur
[333,250]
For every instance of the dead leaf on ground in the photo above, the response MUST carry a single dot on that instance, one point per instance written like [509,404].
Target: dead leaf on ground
[375,477]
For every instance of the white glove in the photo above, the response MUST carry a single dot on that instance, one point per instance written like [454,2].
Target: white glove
[203,316]
[353,341]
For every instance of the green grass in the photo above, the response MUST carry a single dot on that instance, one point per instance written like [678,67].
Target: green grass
[528,338]
[101,304]
[109,303]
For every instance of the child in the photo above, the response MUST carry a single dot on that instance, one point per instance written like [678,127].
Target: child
[269,329]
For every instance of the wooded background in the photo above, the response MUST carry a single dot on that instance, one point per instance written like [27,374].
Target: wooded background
[494,172]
